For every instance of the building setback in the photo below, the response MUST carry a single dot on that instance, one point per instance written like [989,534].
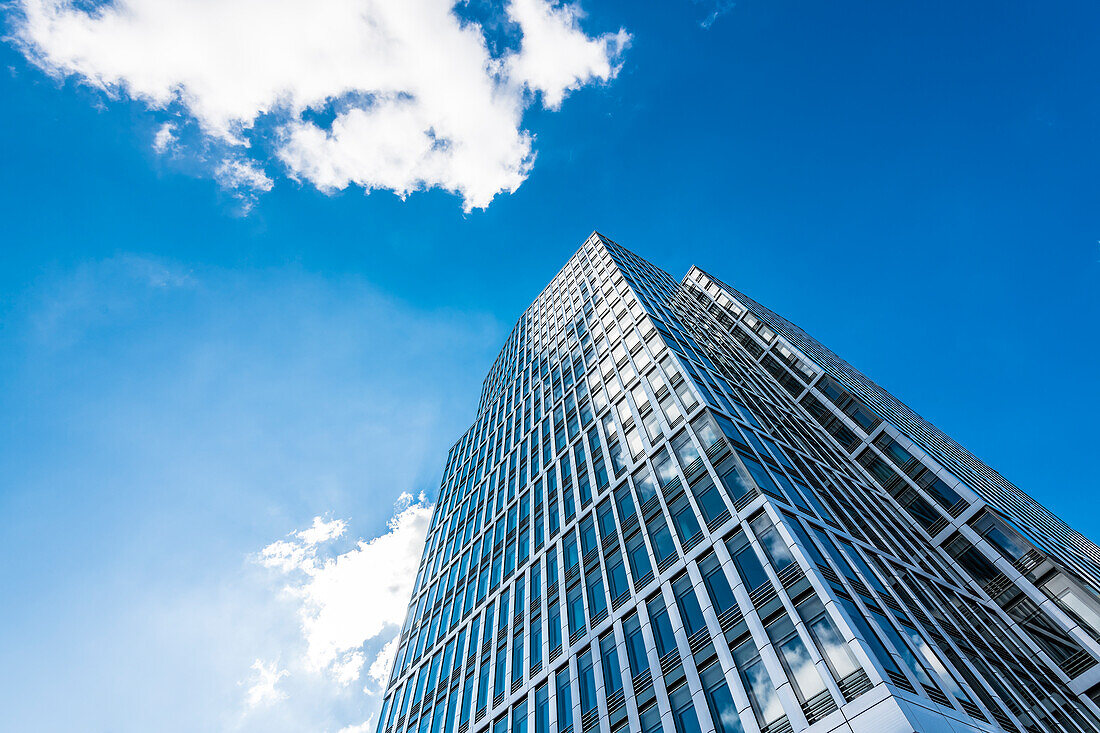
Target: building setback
[676,511]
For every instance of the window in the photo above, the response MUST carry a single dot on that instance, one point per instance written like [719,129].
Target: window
[903,651]
[474,626]
[542,709]
[467,699]
[588,536]
[859,562]
[931,658]
[685,450]
[761,476]
[838,657]
[609,658]
[483,685]
[723,711]
[774,546]
[661,625]
[666,472]
[651,719]
[536,580]
[437,718]
[564,701]
[625,503]
[524,547]
[686,395]
[640,566]
[683,711]
[597,601]
[587,679]
[434,672]
[535,646]
[660,537]
[569,545]
[553,630]
[708,498]
[940,492]
[502,619]
[519,600]
[748,564]
[1004,539]
[517,657]
[792,493]
[871,638]
[972,560]
[830,549]
[795,658]
[519,717]
[606,520]
[636,655]
[706,430]
[690,611]
[644,485]
[575,607]
[716,583]
[499,675]
[616,575]
[758,684]
[736,485]
[618,460]
[683,517]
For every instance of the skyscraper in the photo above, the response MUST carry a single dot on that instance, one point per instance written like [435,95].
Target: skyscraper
[676,511]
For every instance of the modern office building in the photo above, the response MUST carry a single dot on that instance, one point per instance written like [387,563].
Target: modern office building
[676,511]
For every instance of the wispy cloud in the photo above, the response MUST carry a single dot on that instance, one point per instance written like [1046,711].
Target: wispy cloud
[403,96]
[263,687]
[164,138]
[361,728]
[715,9]
[353,597]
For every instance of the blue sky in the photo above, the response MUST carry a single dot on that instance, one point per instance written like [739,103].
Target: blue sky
[193,369]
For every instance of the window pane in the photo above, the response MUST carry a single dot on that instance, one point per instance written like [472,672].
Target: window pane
[758,685]
[587,682]
[690,612]
[542,710]
[683,711]
[796,659]
[718,588]
[723,711]
[635,646]
[774,546]
[519,718]
[662,627]
[609,658]
[564,701]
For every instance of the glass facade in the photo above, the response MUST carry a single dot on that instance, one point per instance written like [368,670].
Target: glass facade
[676,511]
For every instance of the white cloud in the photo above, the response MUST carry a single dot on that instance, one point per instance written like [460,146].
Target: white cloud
[244,179]
[356,596]
[379,671]
[556,56]
[263,690]
[323,531]
[401,95]
[347,669]
[165,138]
[300,553]
[361,728]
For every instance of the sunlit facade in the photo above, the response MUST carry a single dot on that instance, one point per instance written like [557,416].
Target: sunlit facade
[678,512]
